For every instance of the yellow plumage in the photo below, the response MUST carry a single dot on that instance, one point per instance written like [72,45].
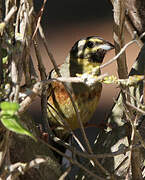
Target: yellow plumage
[85,56]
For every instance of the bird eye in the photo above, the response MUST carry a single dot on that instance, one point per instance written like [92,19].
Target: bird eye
[90,44]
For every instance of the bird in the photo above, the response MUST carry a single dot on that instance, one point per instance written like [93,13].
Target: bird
[85,55]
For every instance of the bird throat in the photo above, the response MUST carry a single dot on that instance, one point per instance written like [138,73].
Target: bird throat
[81,66]
[78,67]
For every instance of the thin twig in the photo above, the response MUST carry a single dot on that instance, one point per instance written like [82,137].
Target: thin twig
[136,155]
[43,76]
[133,97]
[39,18]
[7,19]
[81,79]
[66,124]
[78,142]
[19,168]
[115,57]
[63,176]
[140,138]
[14,75]
[37,88]
[41,66]
[132,120]
[74,162]
[135,39]
[10,14]
[47,49]
[118,36]
[136,108]
[97,156]
[4,145]
[132,30]
[121,164]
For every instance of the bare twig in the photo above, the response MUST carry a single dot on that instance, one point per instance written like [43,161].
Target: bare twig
[140,138]
[131,145]
[63,176]
[74,162]
[118,35]
[79,143]
[43,76]
[14,75]
[135,39]
[121,51]
[134,98]
[19,168]
[47,49]
[4,145]
[39,18]
[39,60]
[37,89]
[97,156]
[131,31]
[136,160]
[136,108]
[135,17]
[134,155]
[88,79]
[29,99]
[10,14]
[7,18]
[121,164]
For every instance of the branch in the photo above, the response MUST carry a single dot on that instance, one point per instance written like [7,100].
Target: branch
[7,19]
[118,36]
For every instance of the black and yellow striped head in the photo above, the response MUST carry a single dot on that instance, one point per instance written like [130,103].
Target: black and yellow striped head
[88,53]
[93,48]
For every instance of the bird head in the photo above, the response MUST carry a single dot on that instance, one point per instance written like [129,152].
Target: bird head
[88,53]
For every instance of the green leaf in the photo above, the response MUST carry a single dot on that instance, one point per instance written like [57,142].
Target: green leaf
[5,59]
[4,55]
[12,123]
[9,106]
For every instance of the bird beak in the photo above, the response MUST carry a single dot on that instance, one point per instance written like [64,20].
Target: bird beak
[107,46]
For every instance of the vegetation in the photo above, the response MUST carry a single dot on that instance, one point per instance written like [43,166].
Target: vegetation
[27,152]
